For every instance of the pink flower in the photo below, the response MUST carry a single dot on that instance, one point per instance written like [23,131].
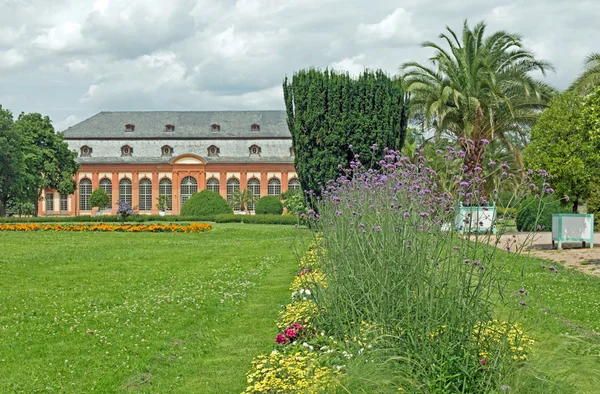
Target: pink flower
[483,361]
[290,333]
[281,339]
[296,326]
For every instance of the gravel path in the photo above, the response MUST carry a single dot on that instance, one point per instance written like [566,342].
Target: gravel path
[573,255]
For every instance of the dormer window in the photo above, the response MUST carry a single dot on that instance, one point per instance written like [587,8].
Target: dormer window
[129,127]
[167,150]
[255,150]
[169,128]
[126,150]
[213,151]
[292,153]
[255,127]
[86,151]
[216,127]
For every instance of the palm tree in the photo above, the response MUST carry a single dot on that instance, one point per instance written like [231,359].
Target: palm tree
[590,78]
[479,89]
[241,198]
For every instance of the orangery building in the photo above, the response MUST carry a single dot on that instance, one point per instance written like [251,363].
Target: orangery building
[139,156]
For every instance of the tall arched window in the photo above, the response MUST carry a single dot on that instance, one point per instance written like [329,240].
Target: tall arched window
[165,188]
[145,195]
[106,184]
[274,187]
[254,187]
[294,184]
[85,191]
[233,186]
[213,185]
[125,190]
[189,186]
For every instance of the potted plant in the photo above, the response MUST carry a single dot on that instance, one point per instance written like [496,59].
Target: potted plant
[241,199]
[163,203]
[99,199]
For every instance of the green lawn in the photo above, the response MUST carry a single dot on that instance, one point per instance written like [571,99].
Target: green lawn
[563,315]
[155,313]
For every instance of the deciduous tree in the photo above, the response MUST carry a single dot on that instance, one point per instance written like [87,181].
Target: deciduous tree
[565,143]
[12,165]
[49,164]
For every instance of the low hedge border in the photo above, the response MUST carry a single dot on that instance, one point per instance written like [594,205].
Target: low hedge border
[222,218]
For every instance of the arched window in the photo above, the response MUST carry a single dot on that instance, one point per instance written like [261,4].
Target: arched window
[254,188]
[86,151]
[233,186]
[166,151]
[213,185]
[294,184]
[274,187]
[106,184]
[145,195]
[85,191]
[215,127]
[165,188]
[213,150]
[129,127]
[125,190]
[126,150]
[254,150]
[255,127]
[189,186]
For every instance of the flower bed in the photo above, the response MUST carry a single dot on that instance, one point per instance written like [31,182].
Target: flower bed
[136,228]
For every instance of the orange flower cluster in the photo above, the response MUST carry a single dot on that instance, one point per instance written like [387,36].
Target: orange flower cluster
[135,228]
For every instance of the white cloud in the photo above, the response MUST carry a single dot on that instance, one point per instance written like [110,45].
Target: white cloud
[397,26]
[9,34]
[10,58]
[78,67]
[66,123]
[354,66]
[65,36]
[75,58]
[154,74]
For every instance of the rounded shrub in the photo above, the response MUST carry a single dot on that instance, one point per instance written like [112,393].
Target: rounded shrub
[269,205]
[536,215]
[205,203]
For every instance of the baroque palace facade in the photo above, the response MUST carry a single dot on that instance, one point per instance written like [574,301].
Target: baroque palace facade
[137,156]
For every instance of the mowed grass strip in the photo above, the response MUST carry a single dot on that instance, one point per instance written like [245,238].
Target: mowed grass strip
[141,312]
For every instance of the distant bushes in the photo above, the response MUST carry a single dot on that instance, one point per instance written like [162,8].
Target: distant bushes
[257,219]
[269,205]
[534,215]
[205,203]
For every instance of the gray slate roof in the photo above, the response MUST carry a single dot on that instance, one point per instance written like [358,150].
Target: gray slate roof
[159,160]
[188,124]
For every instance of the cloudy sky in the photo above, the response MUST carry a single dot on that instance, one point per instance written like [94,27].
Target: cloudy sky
[70,59]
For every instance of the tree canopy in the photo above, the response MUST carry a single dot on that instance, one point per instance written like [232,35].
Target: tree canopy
[590,77]
[12,164]
[333,116]
[33,157]
[564,142]
[479,88]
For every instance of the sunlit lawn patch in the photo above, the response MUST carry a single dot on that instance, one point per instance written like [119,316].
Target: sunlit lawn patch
[140,312]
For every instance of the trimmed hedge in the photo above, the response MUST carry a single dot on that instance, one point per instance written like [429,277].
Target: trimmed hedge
[222,218]
[205,203]
[527,214]
[269,205]
[257,219]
